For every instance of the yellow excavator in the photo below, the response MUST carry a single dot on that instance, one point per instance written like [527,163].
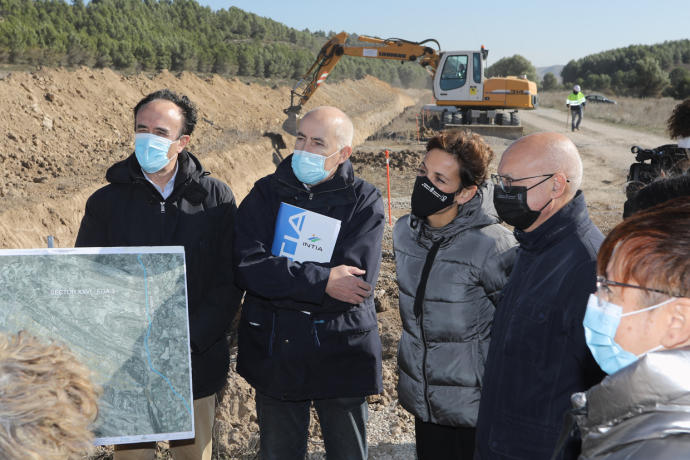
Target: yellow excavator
[462,93]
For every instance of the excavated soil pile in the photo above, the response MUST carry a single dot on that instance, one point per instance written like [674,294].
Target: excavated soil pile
[400,160]
[62,129]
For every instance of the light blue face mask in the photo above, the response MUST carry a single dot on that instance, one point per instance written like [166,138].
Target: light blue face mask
[601,323]
[151,151]
[308,167]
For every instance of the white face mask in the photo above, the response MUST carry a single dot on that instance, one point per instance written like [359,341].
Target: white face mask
[684,142]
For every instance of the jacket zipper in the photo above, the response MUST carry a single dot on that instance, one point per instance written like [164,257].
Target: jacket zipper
[162,214]
[419,307]
[426,380]
[311,194]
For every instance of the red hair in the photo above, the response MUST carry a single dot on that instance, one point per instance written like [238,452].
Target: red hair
[652,248]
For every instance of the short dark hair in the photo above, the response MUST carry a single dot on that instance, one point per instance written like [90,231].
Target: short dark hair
[471,152]
[657,192]
[652,248]
[678,123]
[186,106]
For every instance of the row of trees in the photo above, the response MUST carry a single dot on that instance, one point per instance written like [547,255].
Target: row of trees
[638,70]
[515,65]
[134,35]
[642,71]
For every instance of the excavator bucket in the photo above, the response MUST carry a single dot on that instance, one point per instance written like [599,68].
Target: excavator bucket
[290,125]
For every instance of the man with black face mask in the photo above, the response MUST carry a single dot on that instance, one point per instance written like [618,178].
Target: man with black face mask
[538,356]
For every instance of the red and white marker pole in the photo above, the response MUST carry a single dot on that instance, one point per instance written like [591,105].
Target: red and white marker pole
[416,117]
[388,181]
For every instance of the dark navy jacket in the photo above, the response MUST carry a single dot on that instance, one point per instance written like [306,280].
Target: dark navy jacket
[335,351]
[538,356]
[198,215]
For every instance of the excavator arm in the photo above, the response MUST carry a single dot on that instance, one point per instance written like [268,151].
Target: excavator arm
[391,49]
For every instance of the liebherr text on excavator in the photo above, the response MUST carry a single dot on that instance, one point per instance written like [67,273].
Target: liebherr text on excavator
[459,85]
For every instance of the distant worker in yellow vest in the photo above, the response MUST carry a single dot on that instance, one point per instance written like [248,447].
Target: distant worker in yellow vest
[576,102]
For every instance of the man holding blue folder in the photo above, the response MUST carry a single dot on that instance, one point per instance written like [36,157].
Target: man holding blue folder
[308,332]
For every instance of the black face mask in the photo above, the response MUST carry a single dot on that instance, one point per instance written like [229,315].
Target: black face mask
[427,199]
[511,206]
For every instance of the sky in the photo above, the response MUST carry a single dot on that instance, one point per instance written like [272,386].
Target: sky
[545,32]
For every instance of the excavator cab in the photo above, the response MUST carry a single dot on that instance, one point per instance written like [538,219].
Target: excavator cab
[459,82]
[453,73]
[461,77]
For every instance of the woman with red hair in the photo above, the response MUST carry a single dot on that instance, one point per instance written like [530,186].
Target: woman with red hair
[637,326]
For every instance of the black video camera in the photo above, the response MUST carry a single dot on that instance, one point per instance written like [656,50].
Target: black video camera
[665,160]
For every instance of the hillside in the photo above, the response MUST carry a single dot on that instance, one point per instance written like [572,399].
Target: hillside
[149,35]
[554,69]
[637,70]
[62,129]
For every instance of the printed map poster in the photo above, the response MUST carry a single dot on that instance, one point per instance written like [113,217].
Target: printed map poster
[123,312]
[304,236]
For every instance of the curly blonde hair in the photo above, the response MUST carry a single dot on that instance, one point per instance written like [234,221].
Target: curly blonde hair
[47,401]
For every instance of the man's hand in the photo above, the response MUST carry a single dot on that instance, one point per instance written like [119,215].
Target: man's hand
[344,285]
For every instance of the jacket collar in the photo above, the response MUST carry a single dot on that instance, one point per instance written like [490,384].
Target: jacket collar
[478,212]
[189,171]
[563,223]
[342,181]
[657,379]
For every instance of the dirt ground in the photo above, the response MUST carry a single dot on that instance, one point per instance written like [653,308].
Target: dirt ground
[606,158]
[62,129]
[605,151]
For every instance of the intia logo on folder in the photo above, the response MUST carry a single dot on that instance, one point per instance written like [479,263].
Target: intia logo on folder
[304,236]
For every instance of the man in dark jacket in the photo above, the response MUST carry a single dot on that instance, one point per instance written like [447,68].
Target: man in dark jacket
[308,331]
[538,356]
[161,196]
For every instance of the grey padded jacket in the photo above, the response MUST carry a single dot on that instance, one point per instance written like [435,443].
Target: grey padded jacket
[441,353]
[641,412]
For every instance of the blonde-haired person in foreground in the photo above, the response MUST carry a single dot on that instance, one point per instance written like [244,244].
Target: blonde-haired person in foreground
[47,401]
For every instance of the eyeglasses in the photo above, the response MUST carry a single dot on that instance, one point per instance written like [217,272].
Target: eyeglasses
[605,292]
[506,182]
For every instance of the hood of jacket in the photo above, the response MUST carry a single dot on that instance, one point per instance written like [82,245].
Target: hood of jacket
[189,172]
[478,212]
[341,182]
[649,399]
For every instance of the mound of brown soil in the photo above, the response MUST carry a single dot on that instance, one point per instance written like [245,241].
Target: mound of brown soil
[62,129]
